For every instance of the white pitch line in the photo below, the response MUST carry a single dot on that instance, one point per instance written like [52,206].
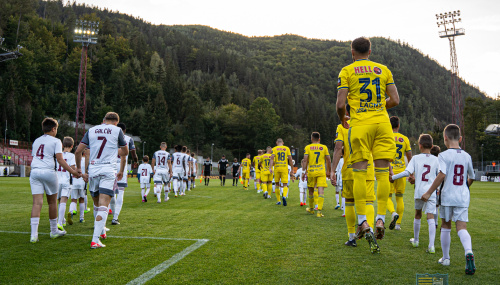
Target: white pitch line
[167,263]
[155,270]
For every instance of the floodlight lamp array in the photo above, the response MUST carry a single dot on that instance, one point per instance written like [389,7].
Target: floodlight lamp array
[86,32]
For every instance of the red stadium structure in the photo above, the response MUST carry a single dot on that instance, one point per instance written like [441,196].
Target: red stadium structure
[448,21]
[85,33]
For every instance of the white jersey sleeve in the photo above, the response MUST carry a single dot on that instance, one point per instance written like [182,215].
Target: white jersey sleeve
[44,152]
[456,164]
[62,174]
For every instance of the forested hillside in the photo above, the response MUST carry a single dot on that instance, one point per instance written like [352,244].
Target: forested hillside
[195,85]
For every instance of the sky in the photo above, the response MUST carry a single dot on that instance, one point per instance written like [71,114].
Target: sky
[414,22]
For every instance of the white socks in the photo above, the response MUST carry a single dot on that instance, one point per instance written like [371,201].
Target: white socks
[72,207]
[119,202]
[362,218]
[95,211]
[85,198]
[432,232]
[99,225]
[343,204]
[337,197]
[53,225]
[175,186]
[466,240]
[62,211]
[445,242]
[189,185]
[34,226]
[82,210]
[416,229]
[147,190]
[112,203]
[379,217]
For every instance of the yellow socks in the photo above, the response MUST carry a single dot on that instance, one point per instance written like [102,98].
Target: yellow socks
[315,197]
[321,201]
[350,217]
[264,187]
[370,213]
[383,190]
[258,186]
[311,201]
[278,194]
[359,189]
[400,208]
[285,191]
[390,204]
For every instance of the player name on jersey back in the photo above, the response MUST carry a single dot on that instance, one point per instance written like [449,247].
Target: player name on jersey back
[103,141]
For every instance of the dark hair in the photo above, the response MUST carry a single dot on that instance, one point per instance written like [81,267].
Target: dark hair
[122,126]
[315,136]
[145,158]
[178,147]
[48,124]
[192,154]
[68,142]
[112,116]
[184,149]
[425,140]
[435,150]
[248,154]
[452,132]
[361,45]
[394,122]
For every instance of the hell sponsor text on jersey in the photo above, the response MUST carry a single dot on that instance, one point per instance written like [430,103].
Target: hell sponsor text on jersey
[103,131]
[316,148]
[281,149]
[363,69]
[315,166]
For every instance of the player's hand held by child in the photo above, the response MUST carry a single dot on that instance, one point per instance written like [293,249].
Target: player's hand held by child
[425,197]
[119,175]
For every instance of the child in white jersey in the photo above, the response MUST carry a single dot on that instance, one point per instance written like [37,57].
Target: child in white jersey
[64,179]
[456,170]
[78,193]
[425,166]
[145,171]
[43,178]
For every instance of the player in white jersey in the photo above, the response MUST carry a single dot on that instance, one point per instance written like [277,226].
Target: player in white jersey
[425,166]
[190,172]
[184,176]
[162,168]
[117,200]
[302,185]
[338,187]
[79,192]
[194,170]
[456,170]
[64,179]
[43,178]
[104,142]
[145,172]
[179,166]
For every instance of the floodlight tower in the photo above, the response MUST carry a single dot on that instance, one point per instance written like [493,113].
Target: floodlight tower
[449,20]
[85,33]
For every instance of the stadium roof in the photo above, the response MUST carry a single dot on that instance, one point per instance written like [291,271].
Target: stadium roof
[493,129]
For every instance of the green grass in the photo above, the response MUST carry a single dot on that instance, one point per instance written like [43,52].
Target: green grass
[251,241]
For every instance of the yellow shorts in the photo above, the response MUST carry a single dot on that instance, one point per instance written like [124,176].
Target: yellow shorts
[266,177]
[368,140]
[257,175]
[348,192]
[399,186]
[245,175]
[318,181]
[281,176]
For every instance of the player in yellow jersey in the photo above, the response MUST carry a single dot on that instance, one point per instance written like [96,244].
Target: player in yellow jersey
[403,149]
[256,160]
[245,165]
[341,147]
[281,158]
[265,175]
[316,155]
[370,90]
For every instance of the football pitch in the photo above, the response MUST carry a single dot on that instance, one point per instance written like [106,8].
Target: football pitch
[225,235]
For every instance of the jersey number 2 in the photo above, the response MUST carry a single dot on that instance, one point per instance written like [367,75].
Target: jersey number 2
[428,167]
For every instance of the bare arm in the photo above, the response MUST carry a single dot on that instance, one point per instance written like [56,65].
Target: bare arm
[341,98]
[304,167]
[439,179]
[328,165]
[64,164]
[271,163]
[133,153]
[393,99]
[290,162]
[123,162]
[153,163]
[169,162]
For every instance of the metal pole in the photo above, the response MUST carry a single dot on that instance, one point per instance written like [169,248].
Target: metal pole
[5,139]
[482,168]
[82,88]
[143,148]
[212,154]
